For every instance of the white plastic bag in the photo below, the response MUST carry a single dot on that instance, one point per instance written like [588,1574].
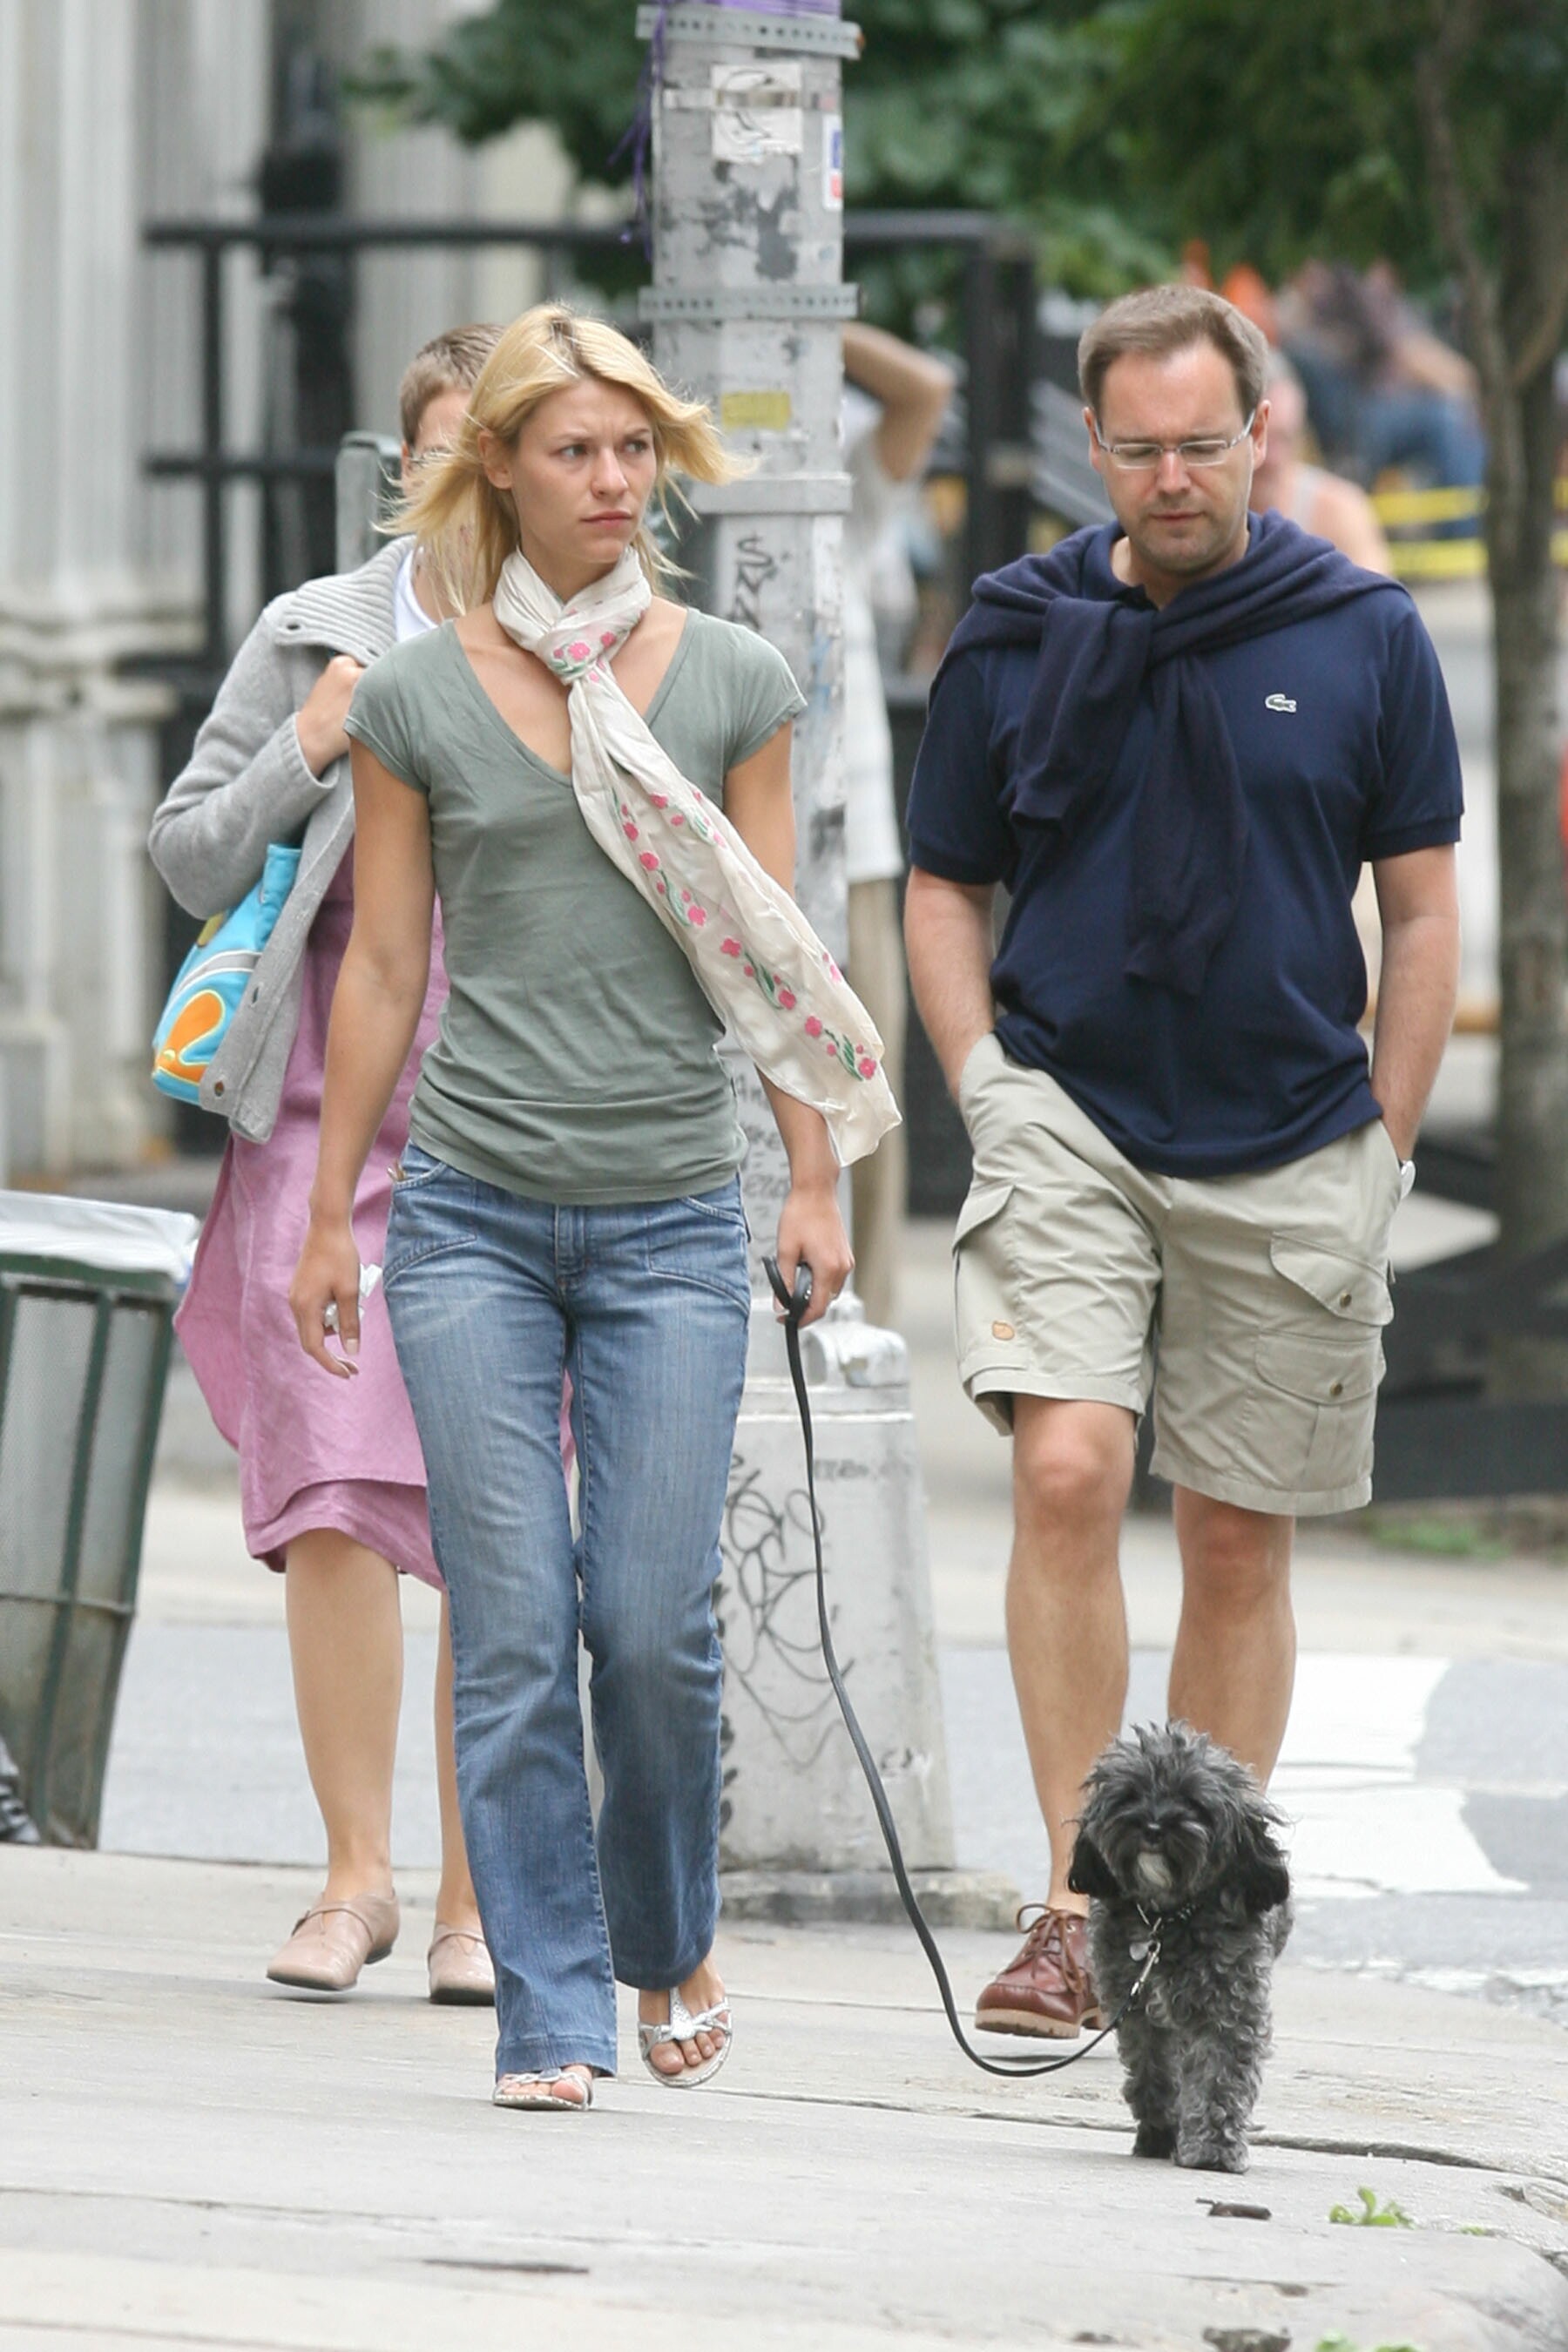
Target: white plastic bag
[108,1235]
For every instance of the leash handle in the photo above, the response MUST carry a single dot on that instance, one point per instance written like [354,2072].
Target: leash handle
[794,1304]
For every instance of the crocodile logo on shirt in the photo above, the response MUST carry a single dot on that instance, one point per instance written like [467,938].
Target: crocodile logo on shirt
[1278,702]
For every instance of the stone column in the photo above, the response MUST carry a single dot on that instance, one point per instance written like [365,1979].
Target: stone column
[75,777]
[100,101]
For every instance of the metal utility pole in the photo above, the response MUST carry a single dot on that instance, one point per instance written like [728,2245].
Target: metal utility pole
[747,307]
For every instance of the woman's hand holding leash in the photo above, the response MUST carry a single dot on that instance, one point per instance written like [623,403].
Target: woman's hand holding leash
[325,1298]
[812,1236]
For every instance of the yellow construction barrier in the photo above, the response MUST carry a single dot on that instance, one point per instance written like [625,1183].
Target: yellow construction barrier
[1454,558]
[1395,508]
[1438,559]
[1416,512]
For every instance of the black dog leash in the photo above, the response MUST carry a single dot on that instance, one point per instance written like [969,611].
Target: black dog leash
[794,1304]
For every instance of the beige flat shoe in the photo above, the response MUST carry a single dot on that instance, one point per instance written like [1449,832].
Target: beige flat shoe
[335,1941]
[460,1968]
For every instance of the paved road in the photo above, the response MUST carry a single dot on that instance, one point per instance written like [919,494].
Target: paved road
[1425,1770]
[1429,1798]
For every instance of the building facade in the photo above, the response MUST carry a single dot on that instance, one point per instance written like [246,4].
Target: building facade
[112,114]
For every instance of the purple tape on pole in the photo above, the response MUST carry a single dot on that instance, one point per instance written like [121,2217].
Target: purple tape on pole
[639,130]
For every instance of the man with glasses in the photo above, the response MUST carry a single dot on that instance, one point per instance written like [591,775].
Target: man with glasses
[1173,741]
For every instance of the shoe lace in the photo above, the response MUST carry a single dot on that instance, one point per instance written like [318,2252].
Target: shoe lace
[1044,1930]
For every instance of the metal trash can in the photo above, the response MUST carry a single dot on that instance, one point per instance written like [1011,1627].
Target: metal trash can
[87,1290]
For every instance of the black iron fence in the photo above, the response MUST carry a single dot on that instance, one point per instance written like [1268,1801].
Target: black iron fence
[997,315]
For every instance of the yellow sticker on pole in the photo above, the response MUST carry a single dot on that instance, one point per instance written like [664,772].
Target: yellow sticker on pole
[765,412]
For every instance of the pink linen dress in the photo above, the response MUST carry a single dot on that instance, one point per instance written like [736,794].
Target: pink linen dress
[314,1452]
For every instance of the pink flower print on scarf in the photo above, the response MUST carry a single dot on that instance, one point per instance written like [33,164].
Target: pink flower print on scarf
[751,950]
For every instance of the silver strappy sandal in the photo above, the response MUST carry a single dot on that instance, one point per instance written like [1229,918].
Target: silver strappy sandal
[683,2027]
[537,2092]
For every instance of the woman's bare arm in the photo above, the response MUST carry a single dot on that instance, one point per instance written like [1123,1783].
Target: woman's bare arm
[375,1013]
[758,804]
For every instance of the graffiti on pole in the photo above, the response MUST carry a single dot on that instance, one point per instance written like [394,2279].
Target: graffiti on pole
[755,566]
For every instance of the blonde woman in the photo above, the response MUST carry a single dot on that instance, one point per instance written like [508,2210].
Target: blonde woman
[569,1198]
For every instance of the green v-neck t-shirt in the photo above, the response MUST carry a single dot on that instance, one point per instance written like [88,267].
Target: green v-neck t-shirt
[576,1060]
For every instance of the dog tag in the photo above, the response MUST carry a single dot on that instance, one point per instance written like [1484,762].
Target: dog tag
[1140,1951]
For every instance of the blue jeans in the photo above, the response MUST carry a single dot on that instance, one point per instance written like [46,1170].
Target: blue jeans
[1441,436]
[491,1299]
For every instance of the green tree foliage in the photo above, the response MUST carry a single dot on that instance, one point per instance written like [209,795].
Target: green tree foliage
[954,102]
[1278,131]
[1119,127]
[575,68]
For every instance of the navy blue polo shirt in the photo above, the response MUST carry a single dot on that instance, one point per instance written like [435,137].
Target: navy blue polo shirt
[1346,753]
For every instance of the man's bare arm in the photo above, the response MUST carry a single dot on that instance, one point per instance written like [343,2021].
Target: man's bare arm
[1417,899]
[947,934]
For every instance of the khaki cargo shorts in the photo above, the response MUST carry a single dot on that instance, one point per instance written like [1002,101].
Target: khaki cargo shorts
[1266,1293]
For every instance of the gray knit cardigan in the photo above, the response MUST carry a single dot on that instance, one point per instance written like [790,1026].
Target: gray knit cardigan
[247,785]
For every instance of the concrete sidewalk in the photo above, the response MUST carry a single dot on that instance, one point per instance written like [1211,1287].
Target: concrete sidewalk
[190,2157]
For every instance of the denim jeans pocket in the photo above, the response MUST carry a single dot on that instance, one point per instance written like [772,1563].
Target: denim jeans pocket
[432,1214]
[417,1166]
[700,1239]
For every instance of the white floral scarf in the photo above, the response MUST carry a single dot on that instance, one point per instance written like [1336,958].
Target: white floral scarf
[757,959]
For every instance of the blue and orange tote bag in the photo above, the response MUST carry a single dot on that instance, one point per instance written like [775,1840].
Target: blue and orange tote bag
[212,981]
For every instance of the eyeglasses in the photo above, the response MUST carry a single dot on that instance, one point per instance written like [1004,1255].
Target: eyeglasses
[429,457]
[1142,457]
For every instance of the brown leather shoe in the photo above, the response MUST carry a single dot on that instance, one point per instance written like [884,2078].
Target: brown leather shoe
[1047,1990]
[335,1941]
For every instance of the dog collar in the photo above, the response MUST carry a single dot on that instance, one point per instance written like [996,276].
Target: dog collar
[1155,1928]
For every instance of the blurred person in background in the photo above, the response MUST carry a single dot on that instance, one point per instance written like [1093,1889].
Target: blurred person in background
[894,404]
[332,1478]
[1325,504]
[1381,389]
[1340,511]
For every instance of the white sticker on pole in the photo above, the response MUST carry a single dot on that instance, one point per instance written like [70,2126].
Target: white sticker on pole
[757,112]
[833,162]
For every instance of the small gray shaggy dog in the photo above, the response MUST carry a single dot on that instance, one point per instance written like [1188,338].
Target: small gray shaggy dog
[1176,1840]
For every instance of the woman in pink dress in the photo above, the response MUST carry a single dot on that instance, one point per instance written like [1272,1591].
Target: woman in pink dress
[331,1479]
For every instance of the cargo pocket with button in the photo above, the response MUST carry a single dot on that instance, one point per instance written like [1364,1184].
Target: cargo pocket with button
[1331,1361]
[984,1305]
